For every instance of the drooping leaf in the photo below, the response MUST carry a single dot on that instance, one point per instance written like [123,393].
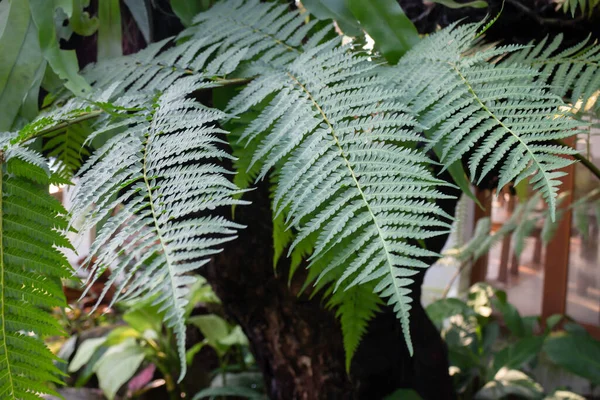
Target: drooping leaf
[109,29]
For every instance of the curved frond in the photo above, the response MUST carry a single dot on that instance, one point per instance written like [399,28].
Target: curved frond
[347,178]
[498,116]
[160,168]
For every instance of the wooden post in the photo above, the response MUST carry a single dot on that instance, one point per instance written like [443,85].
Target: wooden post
[505,252]
[479,270]
[556,263]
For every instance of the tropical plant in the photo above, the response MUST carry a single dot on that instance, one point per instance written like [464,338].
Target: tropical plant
[495,352]
[353,146]
[129,353]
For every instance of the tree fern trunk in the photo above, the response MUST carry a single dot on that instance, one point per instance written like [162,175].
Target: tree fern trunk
[298,344]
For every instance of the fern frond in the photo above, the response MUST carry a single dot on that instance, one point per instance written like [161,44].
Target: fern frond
[31,267]
[499,116]
[346,177]
[160,169]
[67,148]
[572,73]
[355,308]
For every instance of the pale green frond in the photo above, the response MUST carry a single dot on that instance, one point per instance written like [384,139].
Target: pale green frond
[499,116]
[161,168]
[346,179]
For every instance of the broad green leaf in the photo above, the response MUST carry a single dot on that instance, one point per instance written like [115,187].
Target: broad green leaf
[393,32]
[121,334]
[454,4]
[118,365]
[84,353]
[553,320]
[109,31]
[336,10]
[579,354]
[235,337]
[186,10]
[214,329]
[4,9]
[144,318]
[510,314]
[516,355]
[563,395]
[141,13]
[510,382]
[20,61]
[63,62]
[441,309]
[29,109]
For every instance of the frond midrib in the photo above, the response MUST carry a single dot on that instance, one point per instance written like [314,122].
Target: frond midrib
[503,125]
[359,188]
[151,203]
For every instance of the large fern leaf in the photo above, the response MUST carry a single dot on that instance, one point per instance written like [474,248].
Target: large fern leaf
[160,168]
[31,267]
[499,116]
[345,179]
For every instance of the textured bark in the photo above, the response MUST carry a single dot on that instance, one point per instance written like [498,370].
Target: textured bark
[298,344]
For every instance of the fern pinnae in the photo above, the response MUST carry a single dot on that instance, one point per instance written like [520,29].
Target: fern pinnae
[31,267]
[347,175]
[498,113]
[160,168]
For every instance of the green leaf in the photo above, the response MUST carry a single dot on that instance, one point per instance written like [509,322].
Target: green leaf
[191,353]
[109,31]
[63,62]
[393,32]
[237,391]
[579,354]
[336,10]
[563,395]
[510,382]
[440,310]
[144,318]
[454,4]
[510,314]
[186,10]
[20,61]
[118,365]
[121,334]
[553,320]
[214,329]
[235,337]
[516,355]
[84,353]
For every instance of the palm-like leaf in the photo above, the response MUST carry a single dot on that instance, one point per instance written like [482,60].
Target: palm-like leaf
[31,267]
